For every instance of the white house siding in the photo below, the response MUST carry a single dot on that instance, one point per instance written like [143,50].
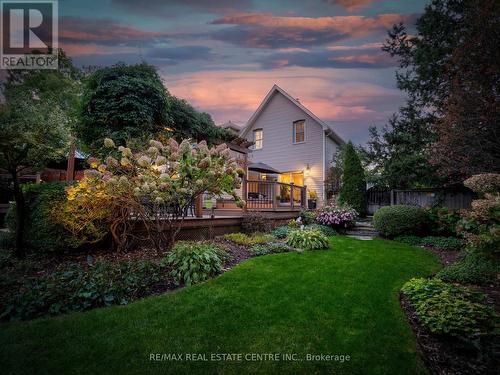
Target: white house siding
[330,150]
[278,149]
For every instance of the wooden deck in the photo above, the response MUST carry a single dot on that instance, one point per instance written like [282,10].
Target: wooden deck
[228,221]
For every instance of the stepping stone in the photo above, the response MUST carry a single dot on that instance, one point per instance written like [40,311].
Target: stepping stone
[362,238]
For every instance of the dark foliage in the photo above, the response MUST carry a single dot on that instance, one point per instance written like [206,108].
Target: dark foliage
[473,269]
[41,233]
[80,288]
[443,221]
[352,191]
[443,243]
[254,222]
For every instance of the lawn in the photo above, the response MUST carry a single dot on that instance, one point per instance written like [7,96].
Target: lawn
[340,301]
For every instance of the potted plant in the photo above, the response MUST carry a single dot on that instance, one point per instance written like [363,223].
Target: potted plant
[311,202]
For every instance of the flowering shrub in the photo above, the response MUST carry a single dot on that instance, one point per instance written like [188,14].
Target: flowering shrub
[155,187]
[336,216]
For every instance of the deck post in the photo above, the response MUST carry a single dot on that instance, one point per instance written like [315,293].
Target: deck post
[244,191]
[291,195]
[198,206]
[70,169]
[275,203]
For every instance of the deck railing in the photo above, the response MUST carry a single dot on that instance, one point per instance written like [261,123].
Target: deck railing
[272,195]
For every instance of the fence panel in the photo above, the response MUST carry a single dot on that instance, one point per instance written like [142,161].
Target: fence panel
[449,198]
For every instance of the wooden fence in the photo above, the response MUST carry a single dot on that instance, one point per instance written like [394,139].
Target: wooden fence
[449,198]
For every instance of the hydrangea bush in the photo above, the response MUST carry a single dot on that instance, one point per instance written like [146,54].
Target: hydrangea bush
[155,187]
[339,217]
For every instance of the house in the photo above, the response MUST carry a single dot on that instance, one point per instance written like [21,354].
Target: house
[231,126]
[292,140]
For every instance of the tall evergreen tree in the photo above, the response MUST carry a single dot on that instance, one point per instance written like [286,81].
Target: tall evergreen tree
[449,70]
[353,187]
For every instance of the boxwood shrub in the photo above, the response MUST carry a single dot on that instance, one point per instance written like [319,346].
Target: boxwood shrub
[307,240]
[194,262]
[392,221]
[451,310]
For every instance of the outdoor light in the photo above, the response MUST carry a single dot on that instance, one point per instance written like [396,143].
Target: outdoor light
[307,171]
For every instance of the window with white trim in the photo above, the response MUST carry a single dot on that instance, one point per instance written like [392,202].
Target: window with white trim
[299,131]
[257,138]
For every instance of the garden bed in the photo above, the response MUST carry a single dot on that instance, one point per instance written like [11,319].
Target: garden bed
[16,275]
[445,356]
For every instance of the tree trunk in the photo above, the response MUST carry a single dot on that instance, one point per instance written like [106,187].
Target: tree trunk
[20,216]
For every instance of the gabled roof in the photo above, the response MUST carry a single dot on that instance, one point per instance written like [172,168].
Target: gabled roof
[326,128]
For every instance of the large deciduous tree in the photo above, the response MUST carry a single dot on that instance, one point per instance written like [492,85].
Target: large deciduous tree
[122,102]
[35,123]
[130,103]
[187,122]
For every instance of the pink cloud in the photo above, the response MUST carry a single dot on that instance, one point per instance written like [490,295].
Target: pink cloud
[264,30]
[352,5]
[366,46]
[234,95]
[84,30]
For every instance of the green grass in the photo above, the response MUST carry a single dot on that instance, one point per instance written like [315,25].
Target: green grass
[338,301]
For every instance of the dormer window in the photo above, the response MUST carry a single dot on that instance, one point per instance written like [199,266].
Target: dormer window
[257,139]
[299,131]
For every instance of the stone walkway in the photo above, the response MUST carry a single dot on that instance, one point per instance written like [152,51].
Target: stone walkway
[363,229]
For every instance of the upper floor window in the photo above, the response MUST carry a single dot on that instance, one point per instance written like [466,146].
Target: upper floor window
[299,131]
[257,138]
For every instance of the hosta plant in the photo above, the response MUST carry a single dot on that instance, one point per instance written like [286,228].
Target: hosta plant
[307,240]
[194,262]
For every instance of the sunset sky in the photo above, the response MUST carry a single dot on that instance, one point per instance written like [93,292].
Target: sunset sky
[224,56]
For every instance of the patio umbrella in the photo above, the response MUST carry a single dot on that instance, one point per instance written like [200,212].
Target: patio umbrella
[262,168]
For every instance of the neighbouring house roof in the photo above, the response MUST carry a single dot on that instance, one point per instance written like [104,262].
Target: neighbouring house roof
[230,126]
[326,128]
[240,145]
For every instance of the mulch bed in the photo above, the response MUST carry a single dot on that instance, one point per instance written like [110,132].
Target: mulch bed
[447,356]
[446,257]
[238,253]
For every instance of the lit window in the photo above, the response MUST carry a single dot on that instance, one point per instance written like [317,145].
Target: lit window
[299,131]
[257,138]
